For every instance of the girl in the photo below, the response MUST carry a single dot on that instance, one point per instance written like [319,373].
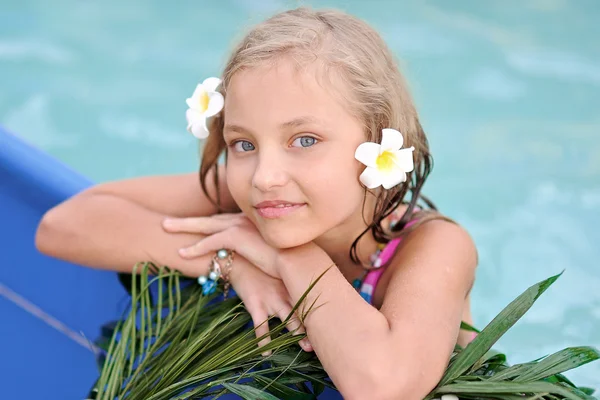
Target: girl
[325,161]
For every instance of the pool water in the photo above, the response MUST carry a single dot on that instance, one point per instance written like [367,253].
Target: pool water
[509,94]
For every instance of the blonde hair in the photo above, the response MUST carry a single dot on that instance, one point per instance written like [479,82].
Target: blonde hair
[355,59]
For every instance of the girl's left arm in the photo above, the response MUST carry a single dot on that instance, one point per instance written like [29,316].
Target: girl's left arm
[400,351]
[397,352]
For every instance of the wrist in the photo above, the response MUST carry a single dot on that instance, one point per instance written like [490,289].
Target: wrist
[309,259]
[236,270]
[281,265]
[219,271]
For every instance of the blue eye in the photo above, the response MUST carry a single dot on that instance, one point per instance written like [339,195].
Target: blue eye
[304,141]
[243,146]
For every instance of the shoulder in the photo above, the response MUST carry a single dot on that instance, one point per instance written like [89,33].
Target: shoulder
[442,236]
[433,249]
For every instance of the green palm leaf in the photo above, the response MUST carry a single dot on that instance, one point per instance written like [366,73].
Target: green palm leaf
[491,333]
[179,344]
[248,392]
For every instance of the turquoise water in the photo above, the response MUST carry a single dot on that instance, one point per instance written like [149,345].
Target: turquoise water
[508,93]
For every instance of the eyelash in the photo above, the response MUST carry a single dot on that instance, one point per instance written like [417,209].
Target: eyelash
[240,142]
[307,137]
[241,150]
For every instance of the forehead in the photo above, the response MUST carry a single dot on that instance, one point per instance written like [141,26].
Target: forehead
[274,94]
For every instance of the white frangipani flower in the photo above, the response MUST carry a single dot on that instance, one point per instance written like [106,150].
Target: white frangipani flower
[204,103]
[387,163]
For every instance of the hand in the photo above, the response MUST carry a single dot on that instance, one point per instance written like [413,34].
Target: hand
[227,231]
[262,294]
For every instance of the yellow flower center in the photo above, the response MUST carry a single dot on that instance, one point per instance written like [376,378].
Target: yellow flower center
[203,101]
[385,161]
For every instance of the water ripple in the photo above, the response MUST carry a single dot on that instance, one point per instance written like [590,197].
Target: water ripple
[36,50]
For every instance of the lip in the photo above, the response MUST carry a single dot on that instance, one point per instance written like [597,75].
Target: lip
[277,208]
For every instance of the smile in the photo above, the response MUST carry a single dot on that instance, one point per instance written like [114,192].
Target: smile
[276,209]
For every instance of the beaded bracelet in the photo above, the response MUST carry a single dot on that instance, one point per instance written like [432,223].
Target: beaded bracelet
[216,272]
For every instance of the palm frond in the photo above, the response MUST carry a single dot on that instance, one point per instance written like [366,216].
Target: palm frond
[184,345]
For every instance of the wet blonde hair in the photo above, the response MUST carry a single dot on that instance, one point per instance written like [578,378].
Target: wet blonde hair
[353,58]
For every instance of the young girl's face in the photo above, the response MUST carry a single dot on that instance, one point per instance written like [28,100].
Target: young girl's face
[290,164]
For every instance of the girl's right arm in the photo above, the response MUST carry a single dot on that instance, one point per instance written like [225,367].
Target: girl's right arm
[118,224]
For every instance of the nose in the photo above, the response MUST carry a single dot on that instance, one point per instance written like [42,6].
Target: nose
[270,172]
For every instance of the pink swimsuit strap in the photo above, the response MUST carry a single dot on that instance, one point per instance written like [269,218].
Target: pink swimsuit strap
[372,278]
[386,254]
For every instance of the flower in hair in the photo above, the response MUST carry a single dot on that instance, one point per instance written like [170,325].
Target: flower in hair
[387,163]
[204,103]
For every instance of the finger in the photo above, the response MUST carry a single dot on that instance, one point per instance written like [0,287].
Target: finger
[204,225]
[251,247]
[228,216]
[261,328]
[208,245]
[294,325]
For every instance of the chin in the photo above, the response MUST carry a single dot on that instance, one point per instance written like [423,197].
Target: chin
[285,238]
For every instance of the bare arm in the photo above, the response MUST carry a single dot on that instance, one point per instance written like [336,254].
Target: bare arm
[117,224]
[397,352]
[401,350]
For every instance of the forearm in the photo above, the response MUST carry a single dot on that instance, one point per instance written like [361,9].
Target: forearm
[357,355]
[107,232]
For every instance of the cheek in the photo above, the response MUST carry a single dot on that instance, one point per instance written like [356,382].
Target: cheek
[238,179]
[337,182]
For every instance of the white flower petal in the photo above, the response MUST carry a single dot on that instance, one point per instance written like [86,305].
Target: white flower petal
[196,123]
[371,178]
[199,130]
[391,139]
[215,104]
[193,115]
[367,154]
[404,159]
[393,178]
[198,91]
[211,84]
[192,102]
[449,397]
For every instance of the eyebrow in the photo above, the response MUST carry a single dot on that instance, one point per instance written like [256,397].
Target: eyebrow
[294,123]
[299,121]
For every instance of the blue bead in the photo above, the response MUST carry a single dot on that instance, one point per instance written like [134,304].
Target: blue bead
[209,287]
